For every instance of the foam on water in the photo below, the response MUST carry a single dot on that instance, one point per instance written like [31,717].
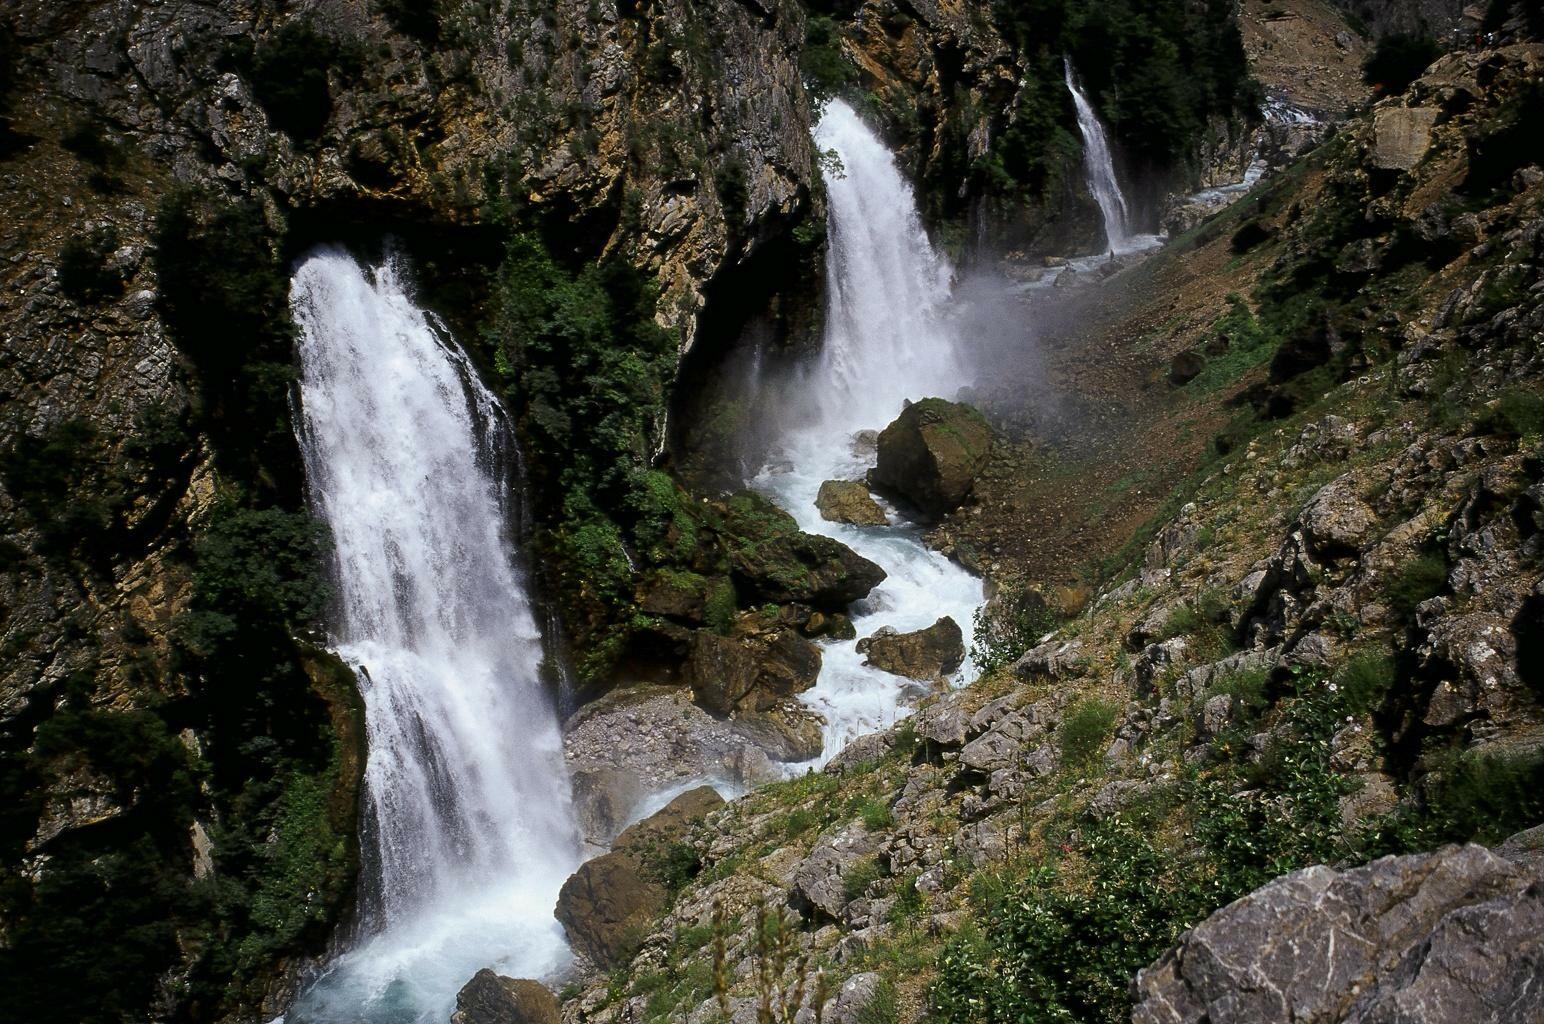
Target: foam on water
[888,339]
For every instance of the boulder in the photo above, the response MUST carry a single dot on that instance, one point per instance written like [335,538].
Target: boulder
[1433,938]
[821,880]
[1335,521]
[608,906]
[491,999]
[1186,367]
[611,902]
[682,596]
[773,560]
[1401,136]
[932,454]
[744,674]
[930,653]
[848,501]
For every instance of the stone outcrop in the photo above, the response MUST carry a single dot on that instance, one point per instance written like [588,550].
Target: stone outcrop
[491,999]
[736,674]
[926,654]
[610,903]
[1454,935]
[1401,136]
[931,455]
[848,501]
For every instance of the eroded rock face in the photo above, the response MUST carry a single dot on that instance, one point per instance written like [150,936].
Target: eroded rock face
[1401,137]
[491,999]
[737,674]
[925,654]
[932,454]
[848,501]
[1454,935]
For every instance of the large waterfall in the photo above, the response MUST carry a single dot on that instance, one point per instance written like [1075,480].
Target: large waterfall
[1100,168]
[466,834]
[888,339]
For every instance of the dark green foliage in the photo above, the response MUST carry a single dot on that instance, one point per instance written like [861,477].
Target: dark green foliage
[92,937]
[417,18]
[672,864]
[1423,577]
[88,139]
[255,566]
[1398,60]
[827,71]
[84,274]
[289,72]
[1518,412]
[1156,71]
[1052,953]
[1468,796]
[1085,732]
[224,295]
[582,358]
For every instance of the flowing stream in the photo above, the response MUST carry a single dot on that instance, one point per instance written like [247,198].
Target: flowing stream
[888,339]
[467,833]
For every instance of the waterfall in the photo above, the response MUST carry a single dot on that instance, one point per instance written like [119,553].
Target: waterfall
[888,339]
[466,831]
[1100,168]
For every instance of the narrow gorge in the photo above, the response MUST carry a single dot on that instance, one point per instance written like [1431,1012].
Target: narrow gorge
[772,512]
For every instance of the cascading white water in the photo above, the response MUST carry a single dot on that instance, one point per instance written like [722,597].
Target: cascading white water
[467,833]
[1100,168]
[888,339]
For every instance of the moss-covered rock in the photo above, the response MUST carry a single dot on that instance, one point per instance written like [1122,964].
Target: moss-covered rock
[773,560]
[932,454]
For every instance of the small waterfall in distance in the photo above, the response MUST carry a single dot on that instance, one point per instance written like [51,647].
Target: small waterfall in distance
[1100,168]
[889,338]
[467,833]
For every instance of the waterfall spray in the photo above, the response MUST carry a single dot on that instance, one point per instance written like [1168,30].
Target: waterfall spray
[467,833]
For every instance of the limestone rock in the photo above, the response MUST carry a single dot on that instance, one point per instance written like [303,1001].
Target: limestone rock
[820,881]
[491,999]
[1453,935]
[1401,136]
[1053,659]
[1336,521]
[671,822]
[930,653]
[943,724]
[607,906]
[847,501]
[932,454]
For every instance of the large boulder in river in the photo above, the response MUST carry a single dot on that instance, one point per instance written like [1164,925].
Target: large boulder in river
[1432,938]
[848,501]
[491,999]
[743,674]
[932,454]
[925,654]
[773,560]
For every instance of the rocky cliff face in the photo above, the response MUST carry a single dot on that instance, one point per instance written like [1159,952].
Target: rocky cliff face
[161,165]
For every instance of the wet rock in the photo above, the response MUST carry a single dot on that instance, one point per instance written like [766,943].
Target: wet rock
[491,999]
[1401,136]
[925,654]
[847,501]
[1454,935]
[932,454]
[743,674]
[773,560]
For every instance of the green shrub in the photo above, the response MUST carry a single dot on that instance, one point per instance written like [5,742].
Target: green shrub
[289,74]
[1398,60]
[1423,577]
[1469,796]
[859,876]
[827,71]
[417,18]
[1085,732]
[1518,412]
[84,274]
